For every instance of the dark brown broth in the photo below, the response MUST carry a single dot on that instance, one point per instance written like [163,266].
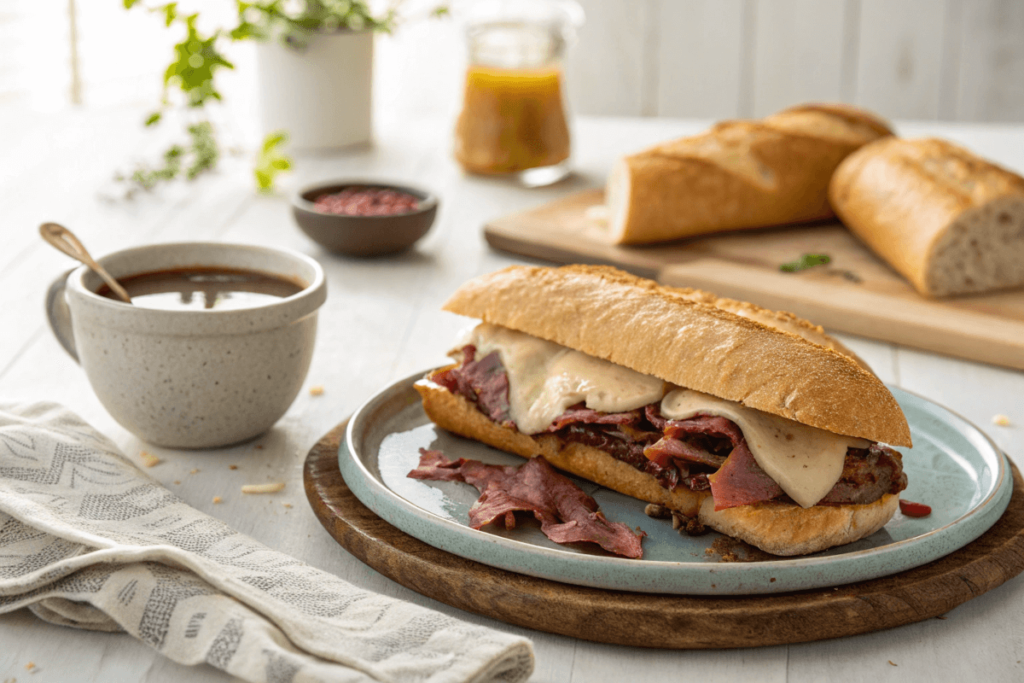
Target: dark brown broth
[195,289]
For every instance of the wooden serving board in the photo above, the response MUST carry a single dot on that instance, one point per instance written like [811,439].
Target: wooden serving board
[663,621]
[855,293]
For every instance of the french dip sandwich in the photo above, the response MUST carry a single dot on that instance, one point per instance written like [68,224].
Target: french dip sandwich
[755,423]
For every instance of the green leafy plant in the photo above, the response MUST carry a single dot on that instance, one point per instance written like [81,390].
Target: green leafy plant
[271,161]
[198,59]
[200,155]
[272,20]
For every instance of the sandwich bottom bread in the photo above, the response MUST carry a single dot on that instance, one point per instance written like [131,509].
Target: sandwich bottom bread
[756,424]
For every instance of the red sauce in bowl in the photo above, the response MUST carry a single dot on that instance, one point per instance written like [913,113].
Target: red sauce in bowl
[367,201]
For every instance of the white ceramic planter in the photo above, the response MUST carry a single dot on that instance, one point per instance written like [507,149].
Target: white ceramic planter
[321,94]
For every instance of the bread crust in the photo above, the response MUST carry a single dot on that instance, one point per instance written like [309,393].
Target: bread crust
[738,174]
[692,339]
[910,200]
[780,320]
[777,528]
[788,529]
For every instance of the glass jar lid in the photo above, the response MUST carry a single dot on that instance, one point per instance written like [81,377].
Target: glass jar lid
[521,33]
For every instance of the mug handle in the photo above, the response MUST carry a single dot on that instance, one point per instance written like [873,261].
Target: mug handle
[59,315]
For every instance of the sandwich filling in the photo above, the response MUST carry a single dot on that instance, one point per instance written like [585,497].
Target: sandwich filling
[680,436]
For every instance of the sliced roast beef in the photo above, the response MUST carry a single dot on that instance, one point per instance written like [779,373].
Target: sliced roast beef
[700,453]
[667,449]
[580,413]
[705,425]
[566,514]
[741,481]
[483,381]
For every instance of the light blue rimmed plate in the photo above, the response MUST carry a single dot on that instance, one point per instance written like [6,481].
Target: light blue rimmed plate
[954,467]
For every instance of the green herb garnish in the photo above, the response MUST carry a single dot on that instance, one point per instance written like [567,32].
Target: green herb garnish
[804,262]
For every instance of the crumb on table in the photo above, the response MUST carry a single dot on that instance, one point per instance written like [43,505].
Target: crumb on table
[217,500]
[1001,420]
[148,459]
[272,487]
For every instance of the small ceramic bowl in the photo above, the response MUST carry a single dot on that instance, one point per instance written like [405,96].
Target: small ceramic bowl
[363,235]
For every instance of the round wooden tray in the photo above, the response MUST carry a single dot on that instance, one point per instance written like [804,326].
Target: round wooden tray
[663,621]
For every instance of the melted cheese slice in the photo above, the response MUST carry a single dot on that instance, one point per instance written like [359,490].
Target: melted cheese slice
[545,378]
[805,461]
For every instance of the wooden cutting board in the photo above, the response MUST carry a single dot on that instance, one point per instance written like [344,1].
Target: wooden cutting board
[665,621]
[855,293]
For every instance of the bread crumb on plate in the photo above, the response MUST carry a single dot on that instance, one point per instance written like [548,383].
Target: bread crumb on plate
[1001,420]
[318,390]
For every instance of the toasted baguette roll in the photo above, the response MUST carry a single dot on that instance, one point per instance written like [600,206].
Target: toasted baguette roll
[947,220]
[691,339]
[739,174]
[777,528]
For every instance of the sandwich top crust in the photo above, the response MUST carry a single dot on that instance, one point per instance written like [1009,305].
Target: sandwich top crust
[691,339]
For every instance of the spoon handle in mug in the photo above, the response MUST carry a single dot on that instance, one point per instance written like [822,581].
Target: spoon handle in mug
[64,240]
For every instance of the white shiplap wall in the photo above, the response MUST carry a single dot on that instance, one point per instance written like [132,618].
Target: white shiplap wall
[990,68]
[918,59]
[910,59]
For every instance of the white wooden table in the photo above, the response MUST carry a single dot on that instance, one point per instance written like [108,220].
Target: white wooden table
[381,322]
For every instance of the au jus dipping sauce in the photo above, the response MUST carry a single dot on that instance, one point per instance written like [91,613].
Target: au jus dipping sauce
[198,289]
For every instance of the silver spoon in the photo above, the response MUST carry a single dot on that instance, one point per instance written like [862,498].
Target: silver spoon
[65,240]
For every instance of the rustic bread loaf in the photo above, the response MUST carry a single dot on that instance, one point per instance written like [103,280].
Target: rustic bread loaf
[691,339]
[739,174]
[947,220]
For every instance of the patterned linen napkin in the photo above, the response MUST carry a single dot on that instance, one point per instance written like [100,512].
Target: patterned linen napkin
[87,540]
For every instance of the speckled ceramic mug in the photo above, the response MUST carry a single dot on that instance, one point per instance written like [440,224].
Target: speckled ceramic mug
[192,379]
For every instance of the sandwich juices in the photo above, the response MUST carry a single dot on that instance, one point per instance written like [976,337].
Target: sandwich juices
[752,422]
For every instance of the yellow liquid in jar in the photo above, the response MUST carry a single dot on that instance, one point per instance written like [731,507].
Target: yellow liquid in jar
[512,120]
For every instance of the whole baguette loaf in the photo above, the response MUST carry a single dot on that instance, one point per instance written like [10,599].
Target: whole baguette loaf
[947,220]
[739,174]
[773,362]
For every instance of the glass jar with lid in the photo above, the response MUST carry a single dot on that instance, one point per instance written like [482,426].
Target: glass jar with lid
[513,120]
